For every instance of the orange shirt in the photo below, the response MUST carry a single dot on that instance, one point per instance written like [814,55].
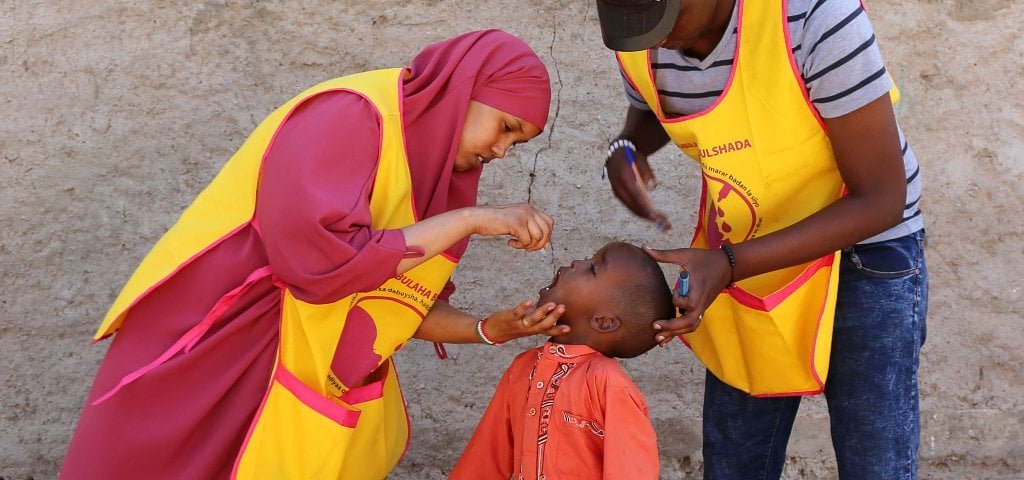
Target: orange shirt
[562,412]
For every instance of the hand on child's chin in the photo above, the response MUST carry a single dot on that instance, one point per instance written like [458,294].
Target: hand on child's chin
[547,318]
[560,337]
[547,295]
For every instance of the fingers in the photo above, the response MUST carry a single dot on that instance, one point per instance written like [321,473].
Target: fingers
[520,310]
[627,185]
[687,322]
[661,221]
[646,174]
[630,183]
[530,229]
[527,319]
[643,206]
[544,318]
[669,329]
[665,256]
[540,226]
[556,330]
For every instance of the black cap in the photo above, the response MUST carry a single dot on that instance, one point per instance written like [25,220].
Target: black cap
[631,25]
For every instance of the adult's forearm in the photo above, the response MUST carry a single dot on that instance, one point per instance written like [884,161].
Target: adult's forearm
[866,146]
[867,151]
[644,129]
[843,223]
[445,323]
[434,235]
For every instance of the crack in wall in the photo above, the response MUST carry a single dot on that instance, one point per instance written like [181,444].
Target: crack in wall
[556,96]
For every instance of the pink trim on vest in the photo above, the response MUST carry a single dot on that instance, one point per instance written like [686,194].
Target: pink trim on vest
[370,391]
[748,299]
[789,394]
[248,435]
[629,78]
[814,371]
[732,72]
[310,398]
[725,91]
[768,303]
[173,272]
[408,422]
[193,335]
[795,68]
[323,406]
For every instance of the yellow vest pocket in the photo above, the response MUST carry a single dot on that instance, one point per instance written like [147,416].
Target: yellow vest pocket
[773,345]
[298,434]
[382,435]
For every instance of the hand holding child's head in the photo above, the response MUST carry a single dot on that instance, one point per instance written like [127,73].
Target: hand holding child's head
[611,300]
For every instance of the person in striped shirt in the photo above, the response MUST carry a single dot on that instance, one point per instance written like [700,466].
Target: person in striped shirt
[775,99]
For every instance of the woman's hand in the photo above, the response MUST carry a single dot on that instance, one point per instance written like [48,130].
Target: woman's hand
[447,324]
[524,320]
[710,272]
[529,228]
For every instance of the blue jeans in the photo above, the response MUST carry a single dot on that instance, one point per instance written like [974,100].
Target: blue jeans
[871,389]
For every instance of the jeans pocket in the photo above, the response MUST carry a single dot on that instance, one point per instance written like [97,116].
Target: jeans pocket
[896,258]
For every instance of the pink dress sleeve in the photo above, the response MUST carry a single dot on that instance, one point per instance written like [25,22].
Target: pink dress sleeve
[313,201]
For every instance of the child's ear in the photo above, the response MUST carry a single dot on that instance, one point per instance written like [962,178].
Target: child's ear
[605,323]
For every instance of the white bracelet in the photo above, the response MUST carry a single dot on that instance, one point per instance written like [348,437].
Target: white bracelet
[620,143]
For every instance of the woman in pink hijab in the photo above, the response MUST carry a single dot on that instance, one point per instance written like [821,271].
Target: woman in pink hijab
[326,242]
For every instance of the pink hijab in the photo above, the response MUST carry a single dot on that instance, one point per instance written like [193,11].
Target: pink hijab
[489,66]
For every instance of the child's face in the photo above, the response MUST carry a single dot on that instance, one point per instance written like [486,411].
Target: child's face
[489,133]
[587,287]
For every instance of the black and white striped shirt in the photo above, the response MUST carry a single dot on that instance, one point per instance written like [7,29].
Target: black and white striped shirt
[834,47]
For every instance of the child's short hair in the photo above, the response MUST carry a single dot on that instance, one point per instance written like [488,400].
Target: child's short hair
[640,302]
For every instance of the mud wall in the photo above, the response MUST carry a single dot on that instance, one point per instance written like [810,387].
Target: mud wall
[116,114]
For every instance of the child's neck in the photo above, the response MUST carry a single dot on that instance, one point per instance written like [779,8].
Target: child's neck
[575,341]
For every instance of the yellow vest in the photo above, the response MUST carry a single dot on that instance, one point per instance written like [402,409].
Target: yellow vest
[766,163]
[312,425]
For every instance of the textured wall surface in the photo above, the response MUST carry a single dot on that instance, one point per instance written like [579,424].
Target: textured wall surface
[116,114]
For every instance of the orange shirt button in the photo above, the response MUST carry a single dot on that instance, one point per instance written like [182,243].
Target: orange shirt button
[540,384]
[533,411]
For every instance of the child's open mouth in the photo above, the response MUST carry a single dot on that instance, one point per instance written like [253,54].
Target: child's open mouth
[554,280]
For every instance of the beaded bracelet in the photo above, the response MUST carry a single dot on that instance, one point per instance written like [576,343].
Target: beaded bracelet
[483,336]
[732,263]
[617,144]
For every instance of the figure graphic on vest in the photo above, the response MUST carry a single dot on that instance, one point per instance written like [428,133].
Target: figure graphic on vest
[567,409]
[256,338]
[807,272]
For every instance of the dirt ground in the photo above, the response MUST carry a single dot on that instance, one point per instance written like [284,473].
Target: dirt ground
[118,113]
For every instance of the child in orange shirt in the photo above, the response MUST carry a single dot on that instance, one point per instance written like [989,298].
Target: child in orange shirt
[567,409]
